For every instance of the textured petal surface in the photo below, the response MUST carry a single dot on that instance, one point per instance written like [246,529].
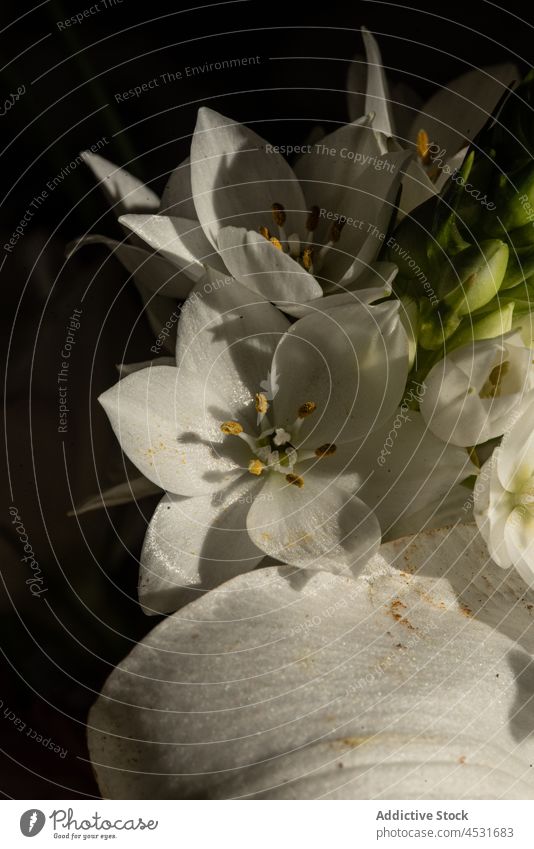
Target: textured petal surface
[413,681]
[194,544]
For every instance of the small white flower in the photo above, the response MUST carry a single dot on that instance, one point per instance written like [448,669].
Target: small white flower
[472,392]
[438,130]
[504,496]
[284,487]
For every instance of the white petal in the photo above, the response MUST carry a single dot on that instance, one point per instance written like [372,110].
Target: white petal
[351,361]
[261,267]
[377,98]
[226,341]
[124,192]
[356,85]
[181,241]
[317,526]
[177,198]
[155,273]
[195,544]
[113,496]
[519,537]
[168,428]
[516,456]
[460,109]
[417,187]
[236,180]
[492,507]
[412,682]
[406,468]
[129,368]
[162,315]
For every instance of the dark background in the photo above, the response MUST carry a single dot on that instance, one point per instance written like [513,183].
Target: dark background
[57,650]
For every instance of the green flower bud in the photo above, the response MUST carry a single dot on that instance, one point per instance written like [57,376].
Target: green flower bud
[474,276]
[487,326]
[513,195]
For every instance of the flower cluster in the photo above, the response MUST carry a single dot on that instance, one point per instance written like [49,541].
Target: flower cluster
[350,356]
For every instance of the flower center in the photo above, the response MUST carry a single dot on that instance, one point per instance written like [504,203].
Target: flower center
[493,385]
[303,251]
[524,499]
[275,449]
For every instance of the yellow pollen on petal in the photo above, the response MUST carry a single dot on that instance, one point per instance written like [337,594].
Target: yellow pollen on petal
[264,231]
[423,147]
[325,450]
[231,428]
[296,480]
[307,261]
[256,467]
[279,214]
[306,409]
[276,242]
[261,403]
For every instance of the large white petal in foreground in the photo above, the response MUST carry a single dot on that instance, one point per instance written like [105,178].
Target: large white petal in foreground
[413,681]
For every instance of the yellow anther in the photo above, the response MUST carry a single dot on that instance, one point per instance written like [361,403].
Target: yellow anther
[276,242]
[231,428]
[261,403]
[296,480]
[307,409]
[423,147]
[264,231]
[307,261]
[312,219]
[325,450]
[256,467]
[279,214]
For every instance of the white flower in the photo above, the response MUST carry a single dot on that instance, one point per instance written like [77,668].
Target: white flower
[472,392]
[504,497]
[413,681]
[237,207]
[239,490]
[438,130]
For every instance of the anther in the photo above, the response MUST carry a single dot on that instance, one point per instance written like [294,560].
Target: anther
[423,147]
[264,231]
[256,467]
[307,261]
[276,242]
[231,428]
[279,214]
[296,480]
[325,450]
[312,220]
[306,409]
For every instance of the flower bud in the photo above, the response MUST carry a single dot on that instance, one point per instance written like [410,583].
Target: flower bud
[474,276]
[488,326]
[513,196]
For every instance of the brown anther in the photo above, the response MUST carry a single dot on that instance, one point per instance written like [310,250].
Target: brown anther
[276,242]
[312,219]
[325,450]
[279,214]
[307,260]
[261,403]
[423,147]
[296,480]
[231,428]
[306,409]
[256,467]
[335,230]
[264,231]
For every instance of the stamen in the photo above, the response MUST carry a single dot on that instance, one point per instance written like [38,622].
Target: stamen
[279,214]
[325,450]
[335,235]
[423,147]
[296,480]
[256,467]
[312,222]
[279,217]
[307,262]
[492,386]
[264,231]
[306,409]
[276,242]
[232,428]
[261,403]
